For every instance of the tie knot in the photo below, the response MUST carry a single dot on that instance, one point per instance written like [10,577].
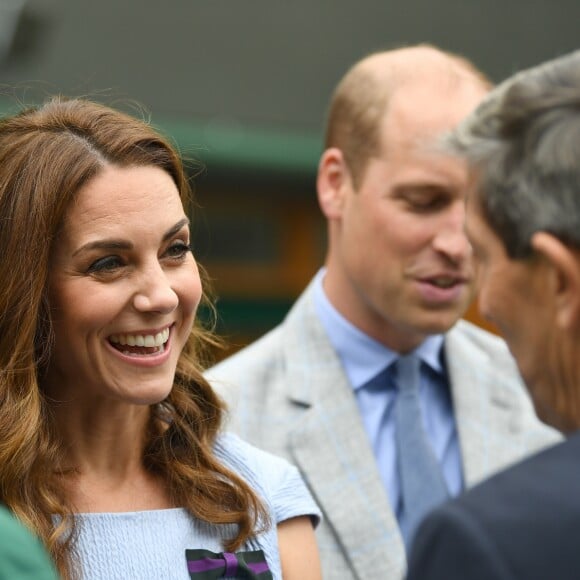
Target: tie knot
[408,372]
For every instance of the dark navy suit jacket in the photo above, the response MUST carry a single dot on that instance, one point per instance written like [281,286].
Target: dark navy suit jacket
[522,524]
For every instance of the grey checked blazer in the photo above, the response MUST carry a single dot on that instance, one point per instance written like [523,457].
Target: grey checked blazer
[288,394]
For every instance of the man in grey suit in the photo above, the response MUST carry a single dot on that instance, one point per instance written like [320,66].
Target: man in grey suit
[320,388]
[523,220]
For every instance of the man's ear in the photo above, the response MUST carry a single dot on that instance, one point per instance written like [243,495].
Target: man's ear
[332,180]
[564,271]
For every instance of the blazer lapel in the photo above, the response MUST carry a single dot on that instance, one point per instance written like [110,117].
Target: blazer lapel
[487,410]
[331,448]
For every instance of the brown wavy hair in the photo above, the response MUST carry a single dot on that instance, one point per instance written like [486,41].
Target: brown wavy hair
[46,155]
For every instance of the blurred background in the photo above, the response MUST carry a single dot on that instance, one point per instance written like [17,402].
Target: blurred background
[242,87]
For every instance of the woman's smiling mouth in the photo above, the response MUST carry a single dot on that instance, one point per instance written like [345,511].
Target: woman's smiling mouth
[140,344]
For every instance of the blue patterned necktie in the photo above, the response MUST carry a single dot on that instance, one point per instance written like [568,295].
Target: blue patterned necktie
[423,486]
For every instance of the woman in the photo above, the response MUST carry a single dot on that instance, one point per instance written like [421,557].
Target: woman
[110,441]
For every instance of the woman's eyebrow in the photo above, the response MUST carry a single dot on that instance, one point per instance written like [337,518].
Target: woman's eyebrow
[172,231]
[119,244]
[107,244]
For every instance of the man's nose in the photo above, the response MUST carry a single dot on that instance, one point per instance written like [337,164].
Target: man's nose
[451,239]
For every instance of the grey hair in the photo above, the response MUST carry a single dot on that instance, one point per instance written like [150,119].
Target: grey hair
[524,143]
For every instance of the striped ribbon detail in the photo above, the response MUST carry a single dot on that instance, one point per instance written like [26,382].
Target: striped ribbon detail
[206,565]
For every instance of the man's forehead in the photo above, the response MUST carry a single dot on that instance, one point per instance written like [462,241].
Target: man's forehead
[420,112]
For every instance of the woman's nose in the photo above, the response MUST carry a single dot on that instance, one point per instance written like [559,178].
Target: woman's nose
[155,292]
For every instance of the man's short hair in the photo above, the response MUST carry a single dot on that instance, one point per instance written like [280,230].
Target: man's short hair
[523,141]
[361,98]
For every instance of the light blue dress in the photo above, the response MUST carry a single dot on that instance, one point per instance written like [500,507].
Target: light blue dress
[150,545]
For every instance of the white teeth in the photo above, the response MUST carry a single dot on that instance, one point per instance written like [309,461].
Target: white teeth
[147,340]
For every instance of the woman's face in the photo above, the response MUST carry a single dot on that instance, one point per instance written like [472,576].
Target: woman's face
[123,289]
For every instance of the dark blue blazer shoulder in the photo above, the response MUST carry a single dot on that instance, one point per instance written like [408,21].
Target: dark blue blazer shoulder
[521,524]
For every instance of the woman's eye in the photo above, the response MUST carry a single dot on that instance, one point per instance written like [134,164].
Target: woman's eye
[178,250]
[106,264]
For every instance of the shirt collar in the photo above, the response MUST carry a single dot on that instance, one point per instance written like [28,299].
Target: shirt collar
[363,357]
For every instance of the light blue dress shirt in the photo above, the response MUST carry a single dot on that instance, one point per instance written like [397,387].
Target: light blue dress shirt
[363,358]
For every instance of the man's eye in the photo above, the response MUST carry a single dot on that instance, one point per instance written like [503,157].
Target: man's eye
[106,264]
[427,204]
[178,250]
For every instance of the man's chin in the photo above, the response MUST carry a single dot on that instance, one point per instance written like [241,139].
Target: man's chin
[439,322]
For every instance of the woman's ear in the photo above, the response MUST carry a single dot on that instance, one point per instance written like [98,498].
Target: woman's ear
[564,270]
[333,177]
